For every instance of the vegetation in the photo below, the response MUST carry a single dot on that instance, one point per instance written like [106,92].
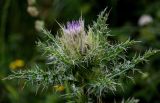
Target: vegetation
[133,29]
[85,62]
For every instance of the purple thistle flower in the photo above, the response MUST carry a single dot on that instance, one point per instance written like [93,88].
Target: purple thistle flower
[74,28]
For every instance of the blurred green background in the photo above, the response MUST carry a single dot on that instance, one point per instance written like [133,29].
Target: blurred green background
[20,26]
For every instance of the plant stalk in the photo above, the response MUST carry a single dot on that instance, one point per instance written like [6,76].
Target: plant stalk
[3,30]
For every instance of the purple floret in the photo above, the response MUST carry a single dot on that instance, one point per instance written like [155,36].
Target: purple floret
[74,27]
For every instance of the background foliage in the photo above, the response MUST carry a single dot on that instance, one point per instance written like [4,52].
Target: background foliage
[18,33]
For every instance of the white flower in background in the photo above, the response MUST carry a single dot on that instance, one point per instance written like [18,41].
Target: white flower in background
[31,2]
[32,10]
[39,25]
[144,20]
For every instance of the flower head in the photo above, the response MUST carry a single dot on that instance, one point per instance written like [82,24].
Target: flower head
[59,88]
[33,11]
[145,20]
[74,28]
[17,64]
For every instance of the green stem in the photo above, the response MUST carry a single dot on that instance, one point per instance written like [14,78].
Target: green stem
[121,72]
[3,29]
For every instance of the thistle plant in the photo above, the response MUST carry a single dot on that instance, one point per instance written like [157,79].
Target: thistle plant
[83,61]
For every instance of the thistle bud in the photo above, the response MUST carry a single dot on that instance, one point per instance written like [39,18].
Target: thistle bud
[74,36]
